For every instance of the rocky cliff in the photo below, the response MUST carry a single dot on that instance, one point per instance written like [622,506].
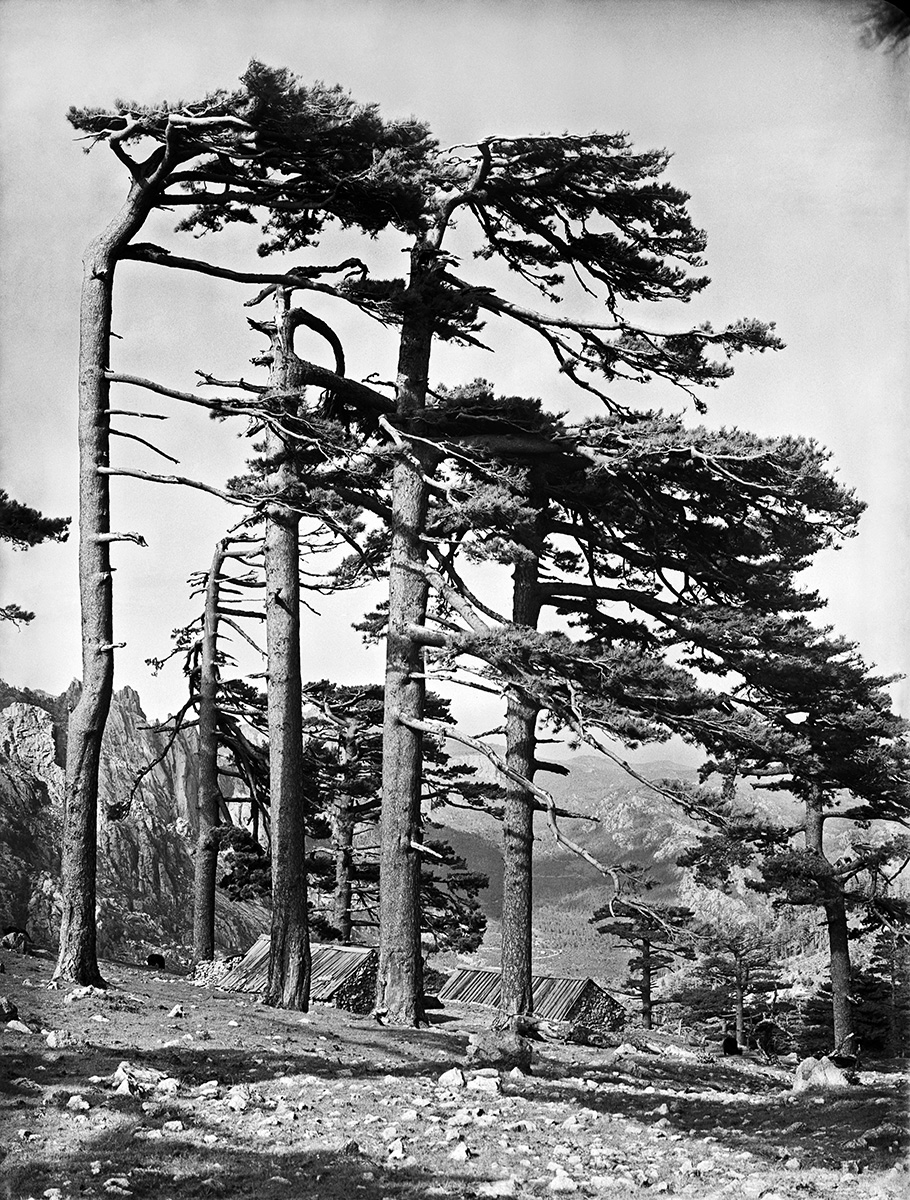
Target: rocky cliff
[144,858]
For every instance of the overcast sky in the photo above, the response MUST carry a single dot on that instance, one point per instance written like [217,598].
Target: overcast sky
[790,136]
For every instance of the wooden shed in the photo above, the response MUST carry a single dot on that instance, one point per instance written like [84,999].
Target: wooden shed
[579,1001]
[341,975]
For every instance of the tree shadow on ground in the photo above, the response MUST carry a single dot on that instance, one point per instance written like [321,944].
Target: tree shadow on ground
[742,1112]
[241,1170]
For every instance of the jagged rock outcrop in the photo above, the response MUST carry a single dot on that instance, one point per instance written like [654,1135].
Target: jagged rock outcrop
[31,787]
[144,857]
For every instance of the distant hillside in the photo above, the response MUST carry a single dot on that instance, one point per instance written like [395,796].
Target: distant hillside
[633,827]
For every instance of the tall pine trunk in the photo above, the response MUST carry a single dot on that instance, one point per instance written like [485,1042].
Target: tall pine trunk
[838,937]
[77,958]
[841,976]
[343,836]
[399,983]
[647,1011]
[289,962]
[518,820]
[208,798]
[739,1000]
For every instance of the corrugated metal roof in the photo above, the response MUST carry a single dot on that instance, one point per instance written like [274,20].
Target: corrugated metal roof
[553,996]
[331,966]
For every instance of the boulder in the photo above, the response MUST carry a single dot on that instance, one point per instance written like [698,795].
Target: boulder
[819,1075]
[499,1050]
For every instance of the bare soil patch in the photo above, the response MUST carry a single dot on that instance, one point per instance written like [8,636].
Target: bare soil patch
[225,1097]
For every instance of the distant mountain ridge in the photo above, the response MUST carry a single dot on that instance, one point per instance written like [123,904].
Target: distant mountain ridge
[634,828]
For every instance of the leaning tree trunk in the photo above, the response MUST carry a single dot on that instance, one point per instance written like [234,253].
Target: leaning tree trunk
[208,798]
[399,982]
[647,1008]
[77,959]
[838,937]
[289,962]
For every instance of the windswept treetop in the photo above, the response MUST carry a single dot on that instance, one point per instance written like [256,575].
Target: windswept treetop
[306,153]
[580,217]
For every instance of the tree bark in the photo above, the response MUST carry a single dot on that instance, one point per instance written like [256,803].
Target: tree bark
[289,963]
[645,990]
[77,959]
[841,976]
[518,820]
[739,1000]
[208,798]
[838,938]
[343,837]
[399,983]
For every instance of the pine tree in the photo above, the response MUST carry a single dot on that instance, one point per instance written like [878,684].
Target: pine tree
[23,527]
[596,519]
[658,935]
[240,140]
[311,156]
[824,731]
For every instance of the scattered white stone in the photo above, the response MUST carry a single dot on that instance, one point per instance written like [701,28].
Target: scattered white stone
[464,1116]
[173,1127]
[238,1098]
[78,1104]
[486,1083]
[396,1148]
[18,1027]
[99,1017]
[461,1153]
[53,1193]
[498,1187]
[752,1187]
[176,1011]
[562,1183]
[80,993]
[211,1087]
[118,1185]
[452,1079]
[56,1038]
[517,1074]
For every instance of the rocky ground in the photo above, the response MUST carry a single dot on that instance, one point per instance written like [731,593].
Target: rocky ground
[159,1088]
